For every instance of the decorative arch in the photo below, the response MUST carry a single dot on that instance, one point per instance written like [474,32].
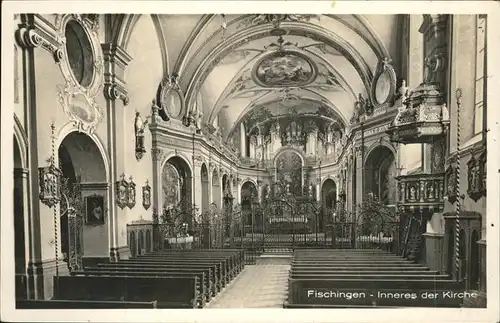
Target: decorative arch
[204,172]
[248,187]
[176,178]
[289,149]
[69,128]
[381,143]
[329,193]
[379,172]
[249,180]
[82,162]
[180,155]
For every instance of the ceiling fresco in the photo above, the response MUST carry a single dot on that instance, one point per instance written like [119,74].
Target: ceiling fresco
[249,68]
[284,69]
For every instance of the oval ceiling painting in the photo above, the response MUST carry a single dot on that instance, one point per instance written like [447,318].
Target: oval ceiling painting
[284,69]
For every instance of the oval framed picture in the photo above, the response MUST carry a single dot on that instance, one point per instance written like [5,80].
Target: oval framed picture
[383,85]
[172,102]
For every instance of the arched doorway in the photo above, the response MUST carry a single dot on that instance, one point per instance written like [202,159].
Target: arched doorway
[205,198]
[177,188]
[379,175]
[84,187]
[474,261]
[328,200]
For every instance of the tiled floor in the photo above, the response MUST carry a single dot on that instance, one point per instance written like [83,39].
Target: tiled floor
[257,286]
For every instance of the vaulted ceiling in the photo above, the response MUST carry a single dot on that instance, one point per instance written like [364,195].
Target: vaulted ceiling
[257,68]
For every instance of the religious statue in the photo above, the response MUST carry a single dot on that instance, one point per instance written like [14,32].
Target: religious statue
[403,91]
[197,117]
[413,193]
[267,191]
[139,126]
[430,191]
[311,190]
[445,113]
[287,188]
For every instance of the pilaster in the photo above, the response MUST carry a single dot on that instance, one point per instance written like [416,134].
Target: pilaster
[115,61]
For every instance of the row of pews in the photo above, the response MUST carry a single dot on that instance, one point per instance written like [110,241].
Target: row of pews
[350,278]
[165,279]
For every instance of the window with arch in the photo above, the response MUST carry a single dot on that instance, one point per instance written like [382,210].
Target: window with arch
[480,84]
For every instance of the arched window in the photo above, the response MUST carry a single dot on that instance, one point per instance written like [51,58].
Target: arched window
[480,100]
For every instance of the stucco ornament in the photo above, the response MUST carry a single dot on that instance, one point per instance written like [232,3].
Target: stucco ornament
[78,43]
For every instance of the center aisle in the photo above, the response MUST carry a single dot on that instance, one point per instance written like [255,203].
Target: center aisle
[264,285]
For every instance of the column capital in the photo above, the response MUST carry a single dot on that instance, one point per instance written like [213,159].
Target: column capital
[116,60]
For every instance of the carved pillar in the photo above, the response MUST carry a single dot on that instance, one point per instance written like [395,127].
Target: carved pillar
[32,36]
[115,62]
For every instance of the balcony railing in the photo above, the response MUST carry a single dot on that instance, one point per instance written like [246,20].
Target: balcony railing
[421,191]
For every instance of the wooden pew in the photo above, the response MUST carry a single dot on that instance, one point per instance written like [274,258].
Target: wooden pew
[237,257]
[205,284]
[65,304]
[237,254]
[226,270]
[168,291]
[222,276]
[232,269]
[212,277]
